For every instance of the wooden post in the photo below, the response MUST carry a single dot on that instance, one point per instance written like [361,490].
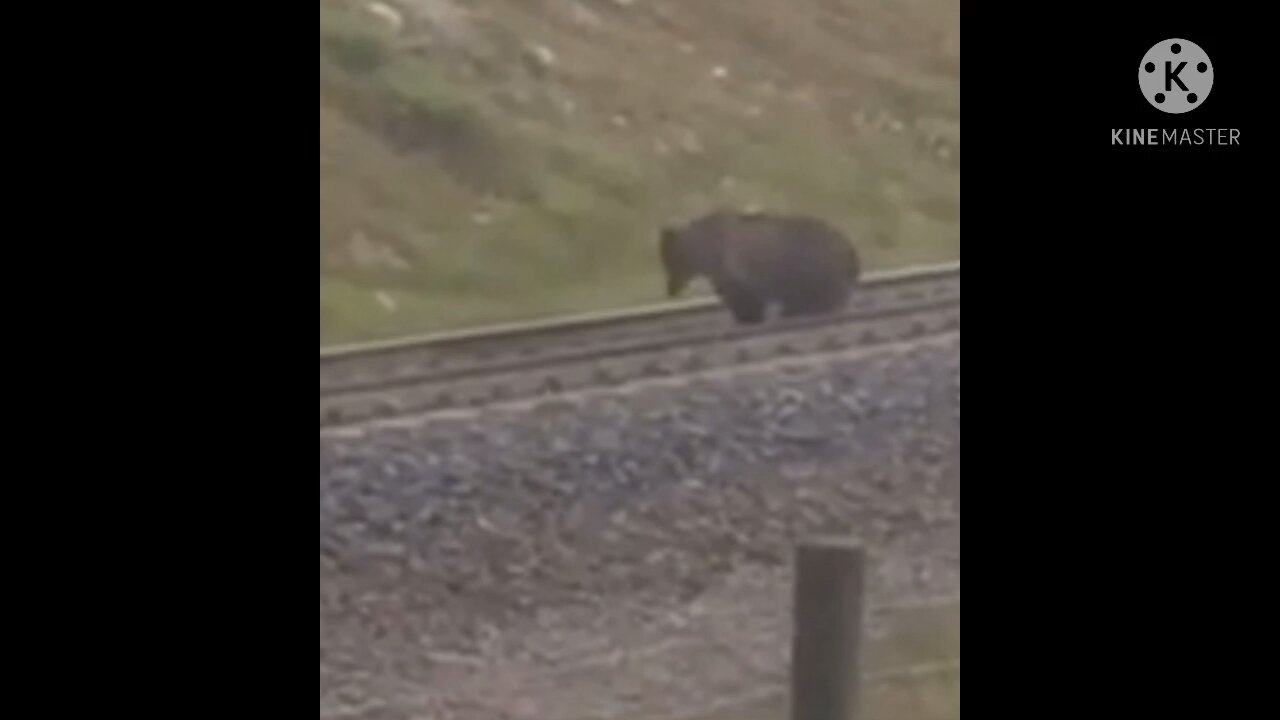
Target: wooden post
[827,632]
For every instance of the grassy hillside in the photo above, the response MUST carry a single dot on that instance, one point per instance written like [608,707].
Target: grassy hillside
[488,161]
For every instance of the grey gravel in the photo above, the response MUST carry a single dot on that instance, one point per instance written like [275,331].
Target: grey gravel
[464,560]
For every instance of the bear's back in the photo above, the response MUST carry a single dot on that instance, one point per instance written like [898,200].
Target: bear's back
[782,251]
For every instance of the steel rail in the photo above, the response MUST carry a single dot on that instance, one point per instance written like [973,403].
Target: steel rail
[637,360]
[369,365]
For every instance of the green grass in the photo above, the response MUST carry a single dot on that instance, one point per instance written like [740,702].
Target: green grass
[469,184]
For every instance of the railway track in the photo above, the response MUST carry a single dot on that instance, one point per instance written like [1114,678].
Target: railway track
[364,383]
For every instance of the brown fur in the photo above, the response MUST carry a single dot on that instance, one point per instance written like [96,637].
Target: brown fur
[757,259]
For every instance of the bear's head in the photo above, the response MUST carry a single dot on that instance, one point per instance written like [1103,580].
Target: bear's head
[677,261]
[692,250]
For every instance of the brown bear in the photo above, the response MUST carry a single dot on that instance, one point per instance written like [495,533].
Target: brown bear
[755,259]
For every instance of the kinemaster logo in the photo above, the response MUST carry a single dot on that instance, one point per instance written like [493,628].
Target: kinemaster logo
[1175,77]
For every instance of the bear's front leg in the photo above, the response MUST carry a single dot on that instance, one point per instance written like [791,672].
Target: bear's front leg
[747,309]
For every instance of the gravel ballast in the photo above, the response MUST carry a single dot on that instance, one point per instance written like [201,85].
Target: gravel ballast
[497,564]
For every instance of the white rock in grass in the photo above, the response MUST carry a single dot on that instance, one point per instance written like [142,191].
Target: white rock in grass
[387,302]
[388,14]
